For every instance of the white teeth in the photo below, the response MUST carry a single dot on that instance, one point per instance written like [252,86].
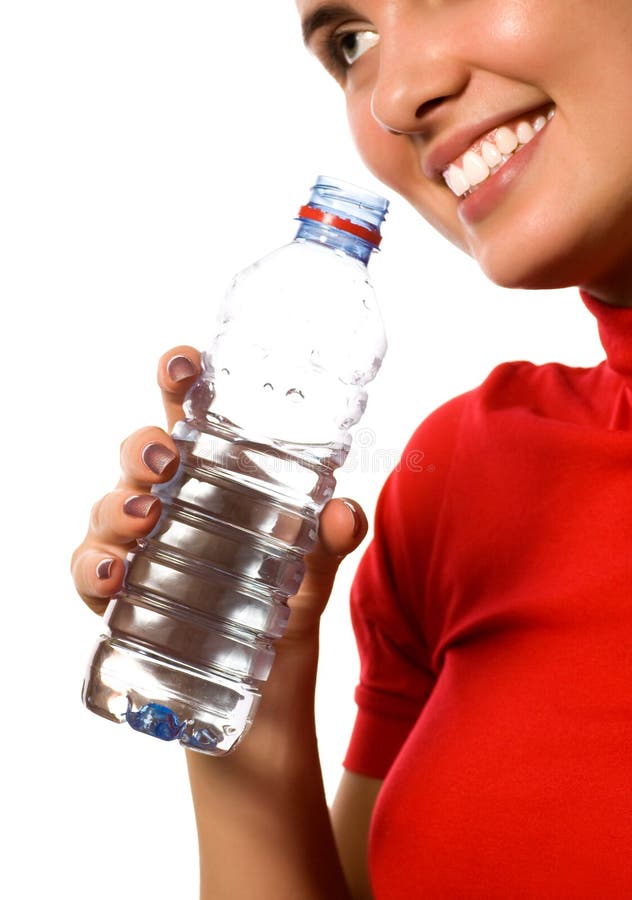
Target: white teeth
[457,182]
[539,123]
[524,133]
[474,168]
[491,154]
[506,139]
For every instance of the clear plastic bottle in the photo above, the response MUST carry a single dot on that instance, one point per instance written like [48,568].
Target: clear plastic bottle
[190,636]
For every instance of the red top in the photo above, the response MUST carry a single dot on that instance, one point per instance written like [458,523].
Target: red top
[493,612]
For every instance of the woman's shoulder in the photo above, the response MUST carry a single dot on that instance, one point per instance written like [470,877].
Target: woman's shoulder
[545,390]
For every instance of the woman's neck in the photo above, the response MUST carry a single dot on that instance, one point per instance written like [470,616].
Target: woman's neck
[613,285]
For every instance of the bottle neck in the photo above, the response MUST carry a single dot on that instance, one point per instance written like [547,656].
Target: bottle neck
[319,233]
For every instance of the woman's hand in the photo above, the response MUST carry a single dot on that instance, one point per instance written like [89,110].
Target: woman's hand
[270,792]
[149,456]
[129,512]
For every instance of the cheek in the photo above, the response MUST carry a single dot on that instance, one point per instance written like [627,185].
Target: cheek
[395,161]
[376,147]
[392,158]
[527,39]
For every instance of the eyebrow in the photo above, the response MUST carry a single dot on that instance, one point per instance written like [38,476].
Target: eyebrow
[323,16]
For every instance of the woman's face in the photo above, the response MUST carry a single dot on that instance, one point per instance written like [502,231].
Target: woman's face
[428,81]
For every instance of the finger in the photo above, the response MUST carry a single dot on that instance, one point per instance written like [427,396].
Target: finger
[98,574]
[342,527]
[148,456]
[123,516]
[177,371]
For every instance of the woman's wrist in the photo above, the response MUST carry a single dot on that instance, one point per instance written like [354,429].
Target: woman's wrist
[266,799]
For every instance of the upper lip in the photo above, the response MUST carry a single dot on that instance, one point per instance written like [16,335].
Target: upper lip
[449,148]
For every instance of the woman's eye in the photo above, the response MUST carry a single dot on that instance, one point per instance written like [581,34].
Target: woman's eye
[353,44]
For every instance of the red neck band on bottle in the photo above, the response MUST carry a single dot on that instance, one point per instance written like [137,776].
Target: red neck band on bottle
[319,215]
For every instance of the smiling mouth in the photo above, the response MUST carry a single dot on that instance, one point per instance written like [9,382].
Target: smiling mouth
[490,153]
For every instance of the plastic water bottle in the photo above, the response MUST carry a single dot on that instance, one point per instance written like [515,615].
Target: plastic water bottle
[190,636]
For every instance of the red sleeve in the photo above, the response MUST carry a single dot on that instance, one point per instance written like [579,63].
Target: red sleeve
[388,597]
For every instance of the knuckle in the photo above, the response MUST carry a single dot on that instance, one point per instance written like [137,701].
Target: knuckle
[75,560]
[145,434]
[95,515]
[124,445]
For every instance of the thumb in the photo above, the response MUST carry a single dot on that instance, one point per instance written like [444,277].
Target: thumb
[342,527]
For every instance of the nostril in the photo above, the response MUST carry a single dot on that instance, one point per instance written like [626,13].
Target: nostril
[428,106]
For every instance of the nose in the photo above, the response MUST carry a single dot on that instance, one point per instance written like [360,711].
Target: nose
[420,72]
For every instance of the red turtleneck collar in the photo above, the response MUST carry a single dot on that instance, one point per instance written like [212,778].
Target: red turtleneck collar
[615,332]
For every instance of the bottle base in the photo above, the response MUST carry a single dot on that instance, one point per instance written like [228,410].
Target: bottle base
[160,702]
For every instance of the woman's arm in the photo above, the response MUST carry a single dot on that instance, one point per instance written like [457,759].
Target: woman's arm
[351,818]
[263,823]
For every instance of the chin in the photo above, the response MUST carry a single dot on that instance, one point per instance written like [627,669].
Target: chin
[534,261]
[517,273]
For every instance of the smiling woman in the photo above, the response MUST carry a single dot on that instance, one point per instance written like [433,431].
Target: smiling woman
[505,125]
[490,752]
[441,75]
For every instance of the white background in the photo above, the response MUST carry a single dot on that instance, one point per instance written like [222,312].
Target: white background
[148,151]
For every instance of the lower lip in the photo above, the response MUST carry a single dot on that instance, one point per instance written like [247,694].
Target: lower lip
[480,203]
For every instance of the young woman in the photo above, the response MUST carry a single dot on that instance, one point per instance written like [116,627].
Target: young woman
[493,609]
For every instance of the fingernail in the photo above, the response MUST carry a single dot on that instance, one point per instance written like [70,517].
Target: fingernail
[179,368]
[104,569]
[157,457]
[358,518]
[139,506]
